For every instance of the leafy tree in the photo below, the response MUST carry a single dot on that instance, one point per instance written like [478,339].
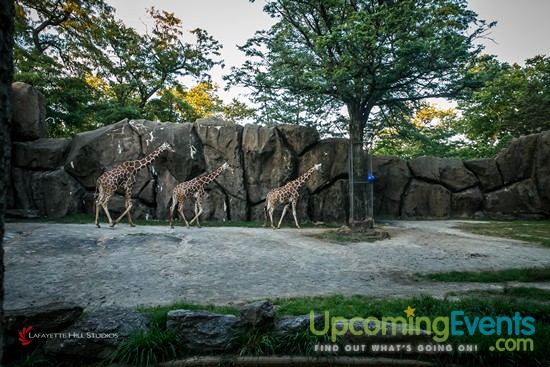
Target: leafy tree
[514,102]
[428,132]
[47,54]
[94,70]
[366,54]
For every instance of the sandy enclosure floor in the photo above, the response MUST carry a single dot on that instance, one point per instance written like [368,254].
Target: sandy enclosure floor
[154,265]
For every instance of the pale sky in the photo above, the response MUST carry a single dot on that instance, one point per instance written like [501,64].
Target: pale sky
[521,33]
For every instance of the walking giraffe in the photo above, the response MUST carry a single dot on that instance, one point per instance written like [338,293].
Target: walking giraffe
[124,176]
[287,194]
[193,187]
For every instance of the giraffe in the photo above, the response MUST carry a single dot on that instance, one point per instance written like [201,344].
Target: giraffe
[287,194]
[124,176]
[193,187]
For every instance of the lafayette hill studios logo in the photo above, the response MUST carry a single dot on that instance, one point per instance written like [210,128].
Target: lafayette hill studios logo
[23,334]
[26,335]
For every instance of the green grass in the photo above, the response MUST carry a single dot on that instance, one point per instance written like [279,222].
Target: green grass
[499,276]
[158,314]
[148,347]
[534,231]
[527,301]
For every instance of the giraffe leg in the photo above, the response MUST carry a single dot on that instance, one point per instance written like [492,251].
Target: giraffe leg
[198,210]
[98,202]
[270,211]
[127,211]
[283,215]
[180,211]
[294,213]
[172,207]
[104,206]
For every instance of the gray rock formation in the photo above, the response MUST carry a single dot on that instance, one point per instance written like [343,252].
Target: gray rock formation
[29,113]
[98,334]
[204,330]
[56,177]
[259,315]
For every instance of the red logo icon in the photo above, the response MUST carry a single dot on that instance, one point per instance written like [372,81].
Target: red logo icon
[23,336]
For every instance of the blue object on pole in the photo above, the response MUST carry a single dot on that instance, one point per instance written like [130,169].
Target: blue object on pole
[370,178]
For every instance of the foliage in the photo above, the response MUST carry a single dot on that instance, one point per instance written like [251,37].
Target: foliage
[94,70]
[148,347]
[514,101]
[499,276]
[370,56]
[534,231]
[429,131]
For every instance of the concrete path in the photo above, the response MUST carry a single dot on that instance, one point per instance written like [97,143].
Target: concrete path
[153,265]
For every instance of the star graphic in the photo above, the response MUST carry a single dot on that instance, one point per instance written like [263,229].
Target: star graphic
[410,311]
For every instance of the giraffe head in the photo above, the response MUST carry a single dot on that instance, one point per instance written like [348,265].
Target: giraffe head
[226,166]
[167,146]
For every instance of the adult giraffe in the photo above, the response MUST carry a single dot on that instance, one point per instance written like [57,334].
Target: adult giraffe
[287,194]
[194,187]
[124,176]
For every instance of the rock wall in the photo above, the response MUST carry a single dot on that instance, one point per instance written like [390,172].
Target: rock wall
[56,177]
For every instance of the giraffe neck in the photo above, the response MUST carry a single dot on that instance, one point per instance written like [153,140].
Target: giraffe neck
[148,159]
[212,176]
[297,183]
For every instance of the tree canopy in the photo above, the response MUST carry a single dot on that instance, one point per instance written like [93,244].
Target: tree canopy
[94,70]
[371,56]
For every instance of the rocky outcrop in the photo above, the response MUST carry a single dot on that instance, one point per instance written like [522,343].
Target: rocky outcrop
[29,113]
[205,331]
[98,334]
[56,177]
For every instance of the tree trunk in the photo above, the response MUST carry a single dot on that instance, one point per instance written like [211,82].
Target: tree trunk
[360,167]
[6,77]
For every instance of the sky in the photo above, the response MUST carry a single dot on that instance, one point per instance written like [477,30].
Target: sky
[521,32]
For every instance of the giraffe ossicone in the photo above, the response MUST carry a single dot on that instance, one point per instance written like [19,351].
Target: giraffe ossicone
[123,176]
[288,196]
[194,187]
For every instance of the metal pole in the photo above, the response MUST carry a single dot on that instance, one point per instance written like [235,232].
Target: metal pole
[351,187]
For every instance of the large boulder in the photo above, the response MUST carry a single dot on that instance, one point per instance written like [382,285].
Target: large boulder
[29,113]
[333,156]
[465,203]
[222,143]
[203,330]
[56,194]
[514,200]
[424,200]
[95,152]
[259,315]
[268,162]
[449,172]
[486,170]
[515,162]
[40,154]
[542,170]
[391,177]
[45,318]
[98,334]
[299,138]
[22,194]
[331,205]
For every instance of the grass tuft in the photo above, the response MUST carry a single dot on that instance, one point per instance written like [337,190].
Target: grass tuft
[499,276]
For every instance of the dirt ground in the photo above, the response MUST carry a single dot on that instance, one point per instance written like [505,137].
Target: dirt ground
[154,265]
